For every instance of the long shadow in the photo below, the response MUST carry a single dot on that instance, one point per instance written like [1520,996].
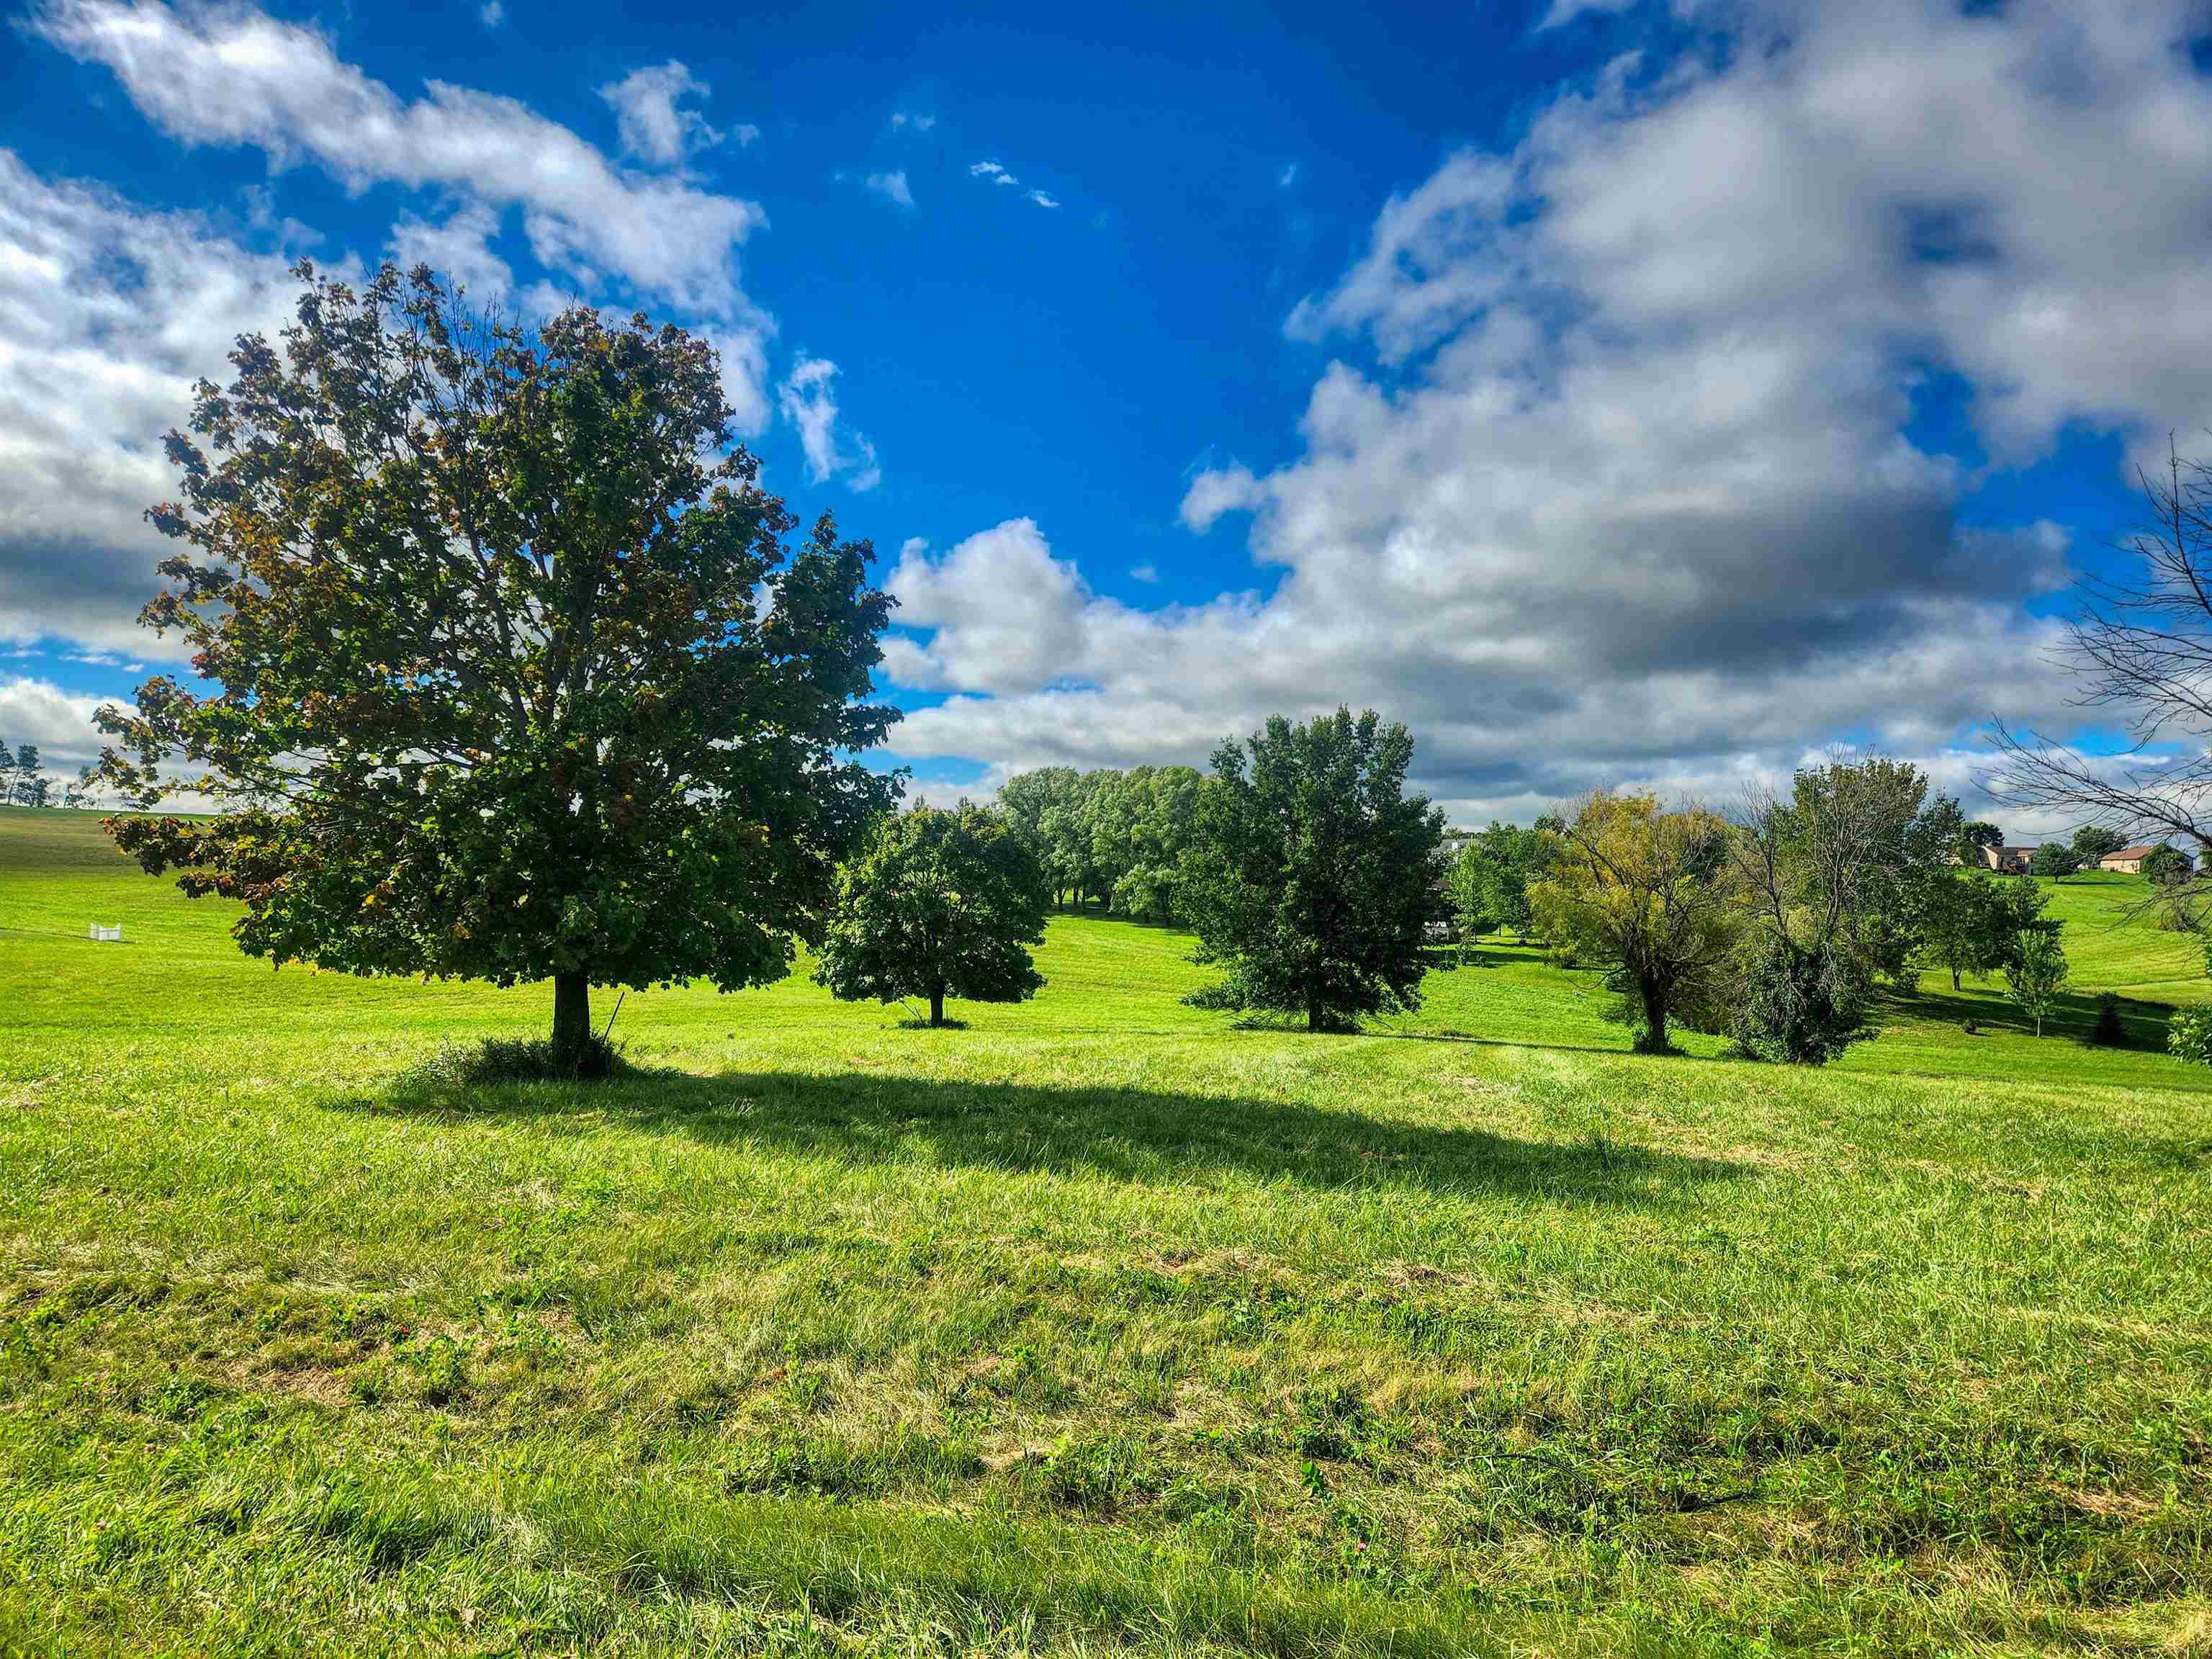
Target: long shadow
[2075,1015]
[1128,1133]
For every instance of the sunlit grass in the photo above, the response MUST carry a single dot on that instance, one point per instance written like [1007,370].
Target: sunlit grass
[1098,1326]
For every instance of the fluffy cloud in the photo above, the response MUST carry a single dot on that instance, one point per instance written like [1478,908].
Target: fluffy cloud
[107,315]
[238,76]
[58,722]
[1625,490]
[809,401]
[652,127]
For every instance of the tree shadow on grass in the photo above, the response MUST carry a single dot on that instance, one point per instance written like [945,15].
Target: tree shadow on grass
[1129,1134]
[2075,1016]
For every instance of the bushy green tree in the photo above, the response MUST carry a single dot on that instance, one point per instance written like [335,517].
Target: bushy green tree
[2093,841]
[1803,1005]
[2052,859]
[938,904]
[1500,863]
[1144,828]
[1966,926]
[1843,880]
[1052,805]
[1974,839]
[1312,885]
[515,680]
[2166,866]
[2036,976]
[1646,893]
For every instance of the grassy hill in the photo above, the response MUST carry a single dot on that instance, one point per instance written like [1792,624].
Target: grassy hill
[1098,1327]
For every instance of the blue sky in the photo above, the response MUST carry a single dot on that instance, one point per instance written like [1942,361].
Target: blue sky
[1616,392]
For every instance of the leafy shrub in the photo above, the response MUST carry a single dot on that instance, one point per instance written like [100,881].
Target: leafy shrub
[1804,1007]
[2189,1035]
[2108,1029]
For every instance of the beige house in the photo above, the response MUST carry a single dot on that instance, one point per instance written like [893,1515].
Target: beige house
[2129,860]
[2007,860]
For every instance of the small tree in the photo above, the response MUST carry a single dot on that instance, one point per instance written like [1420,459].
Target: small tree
[2052,859]
[516,679]
[1467,888]
[1646,892]
[936,904]
[1966,927]
[1312,883]
[2093,841]
[2037,975]
[29,786]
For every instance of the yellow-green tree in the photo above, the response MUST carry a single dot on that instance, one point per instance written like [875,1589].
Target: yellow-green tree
[1647,892]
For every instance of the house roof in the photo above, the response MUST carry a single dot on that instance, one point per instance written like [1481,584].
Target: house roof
[2134,852]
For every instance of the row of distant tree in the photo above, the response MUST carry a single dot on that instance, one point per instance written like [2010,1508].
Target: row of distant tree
[1316,885]
[1779,923]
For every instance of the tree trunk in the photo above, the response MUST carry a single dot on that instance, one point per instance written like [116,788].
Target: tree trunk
[572,1016]
[936,1005]
[1954,979]
[1654,1018]
[1313,1011]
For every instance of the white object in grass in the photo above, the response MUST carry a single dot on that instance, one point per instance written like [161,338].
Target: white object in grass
[111,935]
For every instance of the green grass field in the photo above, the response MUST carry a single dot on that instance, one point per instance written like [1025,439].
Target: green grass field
[1099,1327]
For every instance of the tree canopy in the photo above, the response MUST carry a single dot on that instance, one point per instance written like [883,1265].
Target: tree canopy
[1647,892]
[1124,837]
[938,904]
[1496,867]
[517,679]
[1314,878]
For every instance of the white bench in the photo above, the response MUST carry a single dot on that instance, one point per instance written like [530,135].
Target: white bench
[111,935]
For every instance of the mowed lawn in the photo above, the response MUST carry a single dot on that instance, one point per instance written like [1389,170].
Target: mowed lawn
[1098,1327]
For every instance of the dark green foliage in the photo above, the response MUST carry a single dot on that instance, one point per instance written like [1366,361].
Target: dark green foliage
[2108,1029]
[2053,859]
[938,904]
[1847,879]
[1967,924]
[1800,1006]
[1495,867]
[2166,866]
[2020,904]
[1313,878]
[1124,837]
[515,682]
[1973,838]
[2093,841]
